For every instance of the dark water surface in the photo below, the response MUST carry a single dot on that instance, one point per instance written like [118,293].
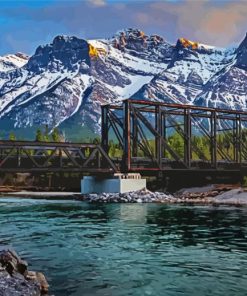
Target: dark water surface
[135,249]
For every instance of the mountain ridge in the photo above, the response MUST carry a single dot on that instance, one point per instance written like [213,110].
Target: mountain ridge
[64,83]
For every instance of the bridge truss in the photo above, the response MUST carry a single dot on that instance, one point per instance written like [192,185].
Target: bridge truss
[27,156]
[159,136]
[149,136]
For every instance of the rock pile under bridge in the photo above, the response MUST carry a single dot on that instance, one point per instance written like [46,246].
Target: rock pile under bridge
[140,196]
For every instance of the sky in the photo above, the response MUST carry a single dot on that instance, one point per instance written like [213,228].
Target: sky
[27,24]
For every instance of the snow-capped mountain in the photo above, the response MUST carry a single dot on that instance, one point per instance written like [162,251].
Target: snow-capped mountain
[191,67]
[12,61]
[228,87]
[64,83]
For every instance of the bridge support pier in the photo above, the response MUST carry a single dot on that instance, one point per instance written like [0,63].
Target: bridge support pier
[119,183]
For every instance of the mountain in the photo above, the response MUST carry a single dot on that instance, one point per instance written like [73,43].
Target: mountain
[64,83]
[12,61]
[191,67]
[228,87]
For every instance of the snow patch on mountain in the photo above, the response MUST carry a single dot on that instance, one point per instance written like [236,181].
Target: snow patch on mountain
[12,61]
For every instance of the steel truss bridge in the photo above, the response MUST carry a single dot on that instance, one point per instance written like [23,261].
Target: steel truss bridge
[149,137]
[145,132]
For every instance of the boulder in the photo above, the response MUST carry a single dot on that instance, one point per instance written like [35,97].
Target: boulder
[16,280]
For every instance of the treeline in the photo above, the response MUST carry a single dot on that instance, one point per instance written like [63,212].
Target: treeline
[54,136]
[201,145]
[43,135]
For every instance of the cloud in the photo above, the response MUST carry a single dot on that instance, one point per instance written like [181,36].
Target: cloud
[215,22]
[219,23]
[224,26]
[97,3]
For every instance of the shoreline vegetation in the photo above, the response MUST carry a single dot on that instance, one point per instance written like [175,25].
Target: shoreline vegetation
[210,194]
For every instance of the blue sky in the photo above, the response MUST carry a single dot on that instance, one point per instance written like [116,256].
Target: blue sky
[27,24]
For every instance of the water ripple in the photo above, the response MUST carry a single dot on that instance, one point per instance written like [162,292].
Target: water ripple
[130,250]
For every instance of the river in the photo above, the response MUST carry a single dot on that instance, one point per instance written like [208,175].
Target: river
[130,249]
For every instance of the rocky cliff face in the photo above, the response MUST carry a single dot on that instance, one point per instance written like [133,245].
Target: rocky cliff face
[137,43]
[64,83]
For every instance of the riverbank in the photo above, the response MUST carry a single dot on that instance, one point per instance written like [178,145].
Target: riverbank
[41,194]
[16,279]
[211,194]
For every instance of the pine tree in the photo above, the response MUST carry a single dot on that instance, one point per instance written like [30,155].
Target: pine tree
[12,136]
[96,140]
[39,137]
[55,135]
[177,144]
[46,134]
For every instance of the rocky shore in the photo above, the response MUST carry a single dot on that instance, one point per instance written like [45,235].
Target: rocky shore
[17,280]
[212,194]
[140,196]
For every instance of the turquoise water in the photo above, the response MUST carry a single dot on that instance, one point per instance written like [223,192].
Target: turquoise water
[120,249]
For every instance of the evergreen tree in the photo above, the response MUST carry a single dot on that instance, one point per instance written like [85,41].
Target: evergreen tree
[177,144]
[96,141]
[46,134]
[55,135]
[12,136]
[39,137]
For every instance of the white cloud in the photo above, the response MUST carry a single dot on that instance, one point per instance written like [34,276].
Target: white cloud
[98,3]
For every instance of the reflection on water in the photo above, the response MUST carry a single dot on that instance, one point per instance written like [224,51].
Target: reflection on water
[130,249]
[133,213]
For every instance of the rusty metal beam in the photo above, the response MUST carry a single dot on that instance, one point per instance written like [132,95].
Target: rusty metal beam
[182,106]
[105,127]
[187,138]
[159,135]
[152,129]
[126,136]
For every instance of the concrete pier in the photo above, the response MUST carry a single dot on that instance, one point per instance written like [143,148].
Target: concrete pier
[119,183]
